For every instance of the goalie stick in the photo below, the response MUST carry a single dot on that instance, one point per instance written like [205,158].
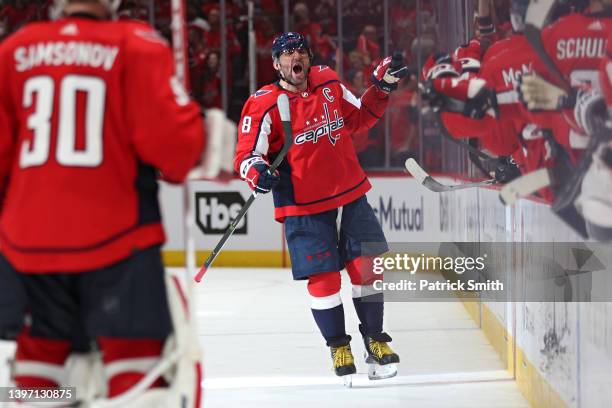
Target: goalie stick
[285,114]
[433,185]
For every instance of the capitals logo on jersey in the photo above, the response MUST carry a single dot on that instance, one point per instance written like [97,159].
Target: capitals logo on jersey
[326,128]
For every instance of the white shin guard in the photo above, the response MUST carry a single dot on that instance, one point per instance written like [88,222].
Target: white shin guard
[7,353]
[180,363]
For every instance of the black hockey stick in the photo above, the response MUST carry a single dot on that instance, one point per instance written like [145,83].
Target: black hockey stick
[285,114]
[537,15]
[434,185]
[485,163]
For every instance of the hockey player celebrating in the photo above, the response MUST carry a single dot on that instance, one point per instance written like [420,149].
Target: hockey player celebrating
[89,112]
[576,46]
[321,178]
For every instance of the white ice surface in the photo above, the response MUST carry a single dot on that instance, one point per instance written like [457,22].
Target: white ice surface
[263,349]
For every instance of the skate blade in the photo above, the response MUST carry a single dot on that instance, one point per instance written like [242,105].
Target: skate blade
[381,372]
[348,380]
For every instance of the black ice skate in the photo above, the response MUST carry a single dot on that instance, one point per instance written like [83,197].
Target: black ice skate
[381,359]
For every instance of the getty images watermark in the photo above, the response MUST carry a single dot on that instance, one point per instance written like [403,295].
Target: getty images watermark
[436,267]
[491,271]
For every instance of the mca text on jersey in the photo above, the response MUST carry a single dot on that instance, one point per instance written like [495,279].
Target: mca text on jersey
[65,53]
[512,77]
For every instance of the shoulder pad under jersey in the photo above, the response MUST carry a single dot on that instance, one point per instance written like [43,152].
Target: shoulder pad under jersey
[266,94]
[320,74]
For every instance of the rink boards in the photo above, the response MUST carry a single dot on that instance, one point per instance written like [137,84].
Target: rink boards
[573,369]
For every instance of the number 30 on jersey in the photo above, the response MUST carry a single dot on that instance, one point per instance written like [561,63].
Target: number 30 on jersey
[40,90]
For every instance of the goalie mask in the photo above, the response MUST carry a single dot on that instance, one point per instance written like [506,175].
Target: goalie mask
[111,5]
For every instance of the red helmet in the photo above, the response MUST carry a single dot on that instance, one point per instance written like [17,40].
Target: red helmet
[440,65]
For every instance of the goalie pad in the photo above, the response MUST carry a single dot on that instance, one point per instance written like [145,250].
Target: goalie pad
[180,363]
[7,353]
[229,146]
[221,141]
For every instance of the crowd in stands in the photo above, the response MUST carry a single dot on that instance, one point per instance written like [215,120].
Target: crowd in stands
[362,49]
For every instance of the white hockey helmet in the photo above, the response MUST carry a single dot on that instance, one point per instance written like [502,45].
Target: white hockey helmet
[111,5]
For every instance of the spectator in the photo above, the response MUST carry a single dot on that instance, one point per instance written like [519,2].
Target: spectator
[357,85]
[264,36]
[17,14]
[213,36]
[322,46]
[403,116]
[211,81]
[367,45]
[197,57]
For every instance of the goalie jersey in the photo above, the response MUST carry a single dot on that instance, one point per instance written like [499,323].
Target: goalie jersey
[321,171]
[89,112]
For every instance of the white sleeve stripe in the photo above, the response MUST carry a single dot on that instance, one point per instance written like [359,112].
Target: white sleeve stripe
[262,145]
[349,97]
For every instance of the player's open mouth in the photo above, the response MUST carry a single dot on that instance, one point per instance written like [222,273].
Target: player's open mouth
[298,69]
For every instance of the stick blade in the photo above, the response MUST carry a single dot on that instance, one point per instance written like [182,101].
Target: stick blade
[417,171]
[435,185]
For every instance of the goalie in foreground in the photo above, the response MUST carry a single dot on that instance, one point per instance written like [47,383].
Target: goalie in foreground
[89,113]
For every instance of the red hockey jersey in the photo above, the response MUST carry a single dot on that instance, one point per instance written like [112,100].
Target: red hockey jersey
[502,65]
[576,43]
[321,171]
[88,110]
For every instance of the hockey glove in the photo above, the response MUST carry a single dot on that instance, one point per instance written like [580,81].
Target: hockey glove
[539,94]
[506,170]
[388,73]
[440,94]
[256,172]
[481,100]
[431,96]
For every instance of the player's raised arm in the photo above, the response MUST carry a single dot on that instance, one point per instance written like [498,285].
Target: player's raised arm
[165,124]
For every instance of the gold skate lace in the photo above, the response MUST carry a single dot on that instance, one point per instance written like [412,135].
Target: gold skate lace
[380,348]
[343,356]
